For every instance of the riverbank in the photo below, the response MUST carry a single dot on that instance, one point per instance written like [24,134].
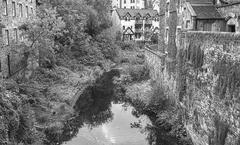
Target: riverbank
[167,127]
[148,99]
[45,101]
[35,111]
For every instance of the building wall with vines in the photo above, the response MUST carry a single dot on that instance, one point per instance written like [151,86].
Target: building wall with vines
[205,83]
[13,14]
[211,65]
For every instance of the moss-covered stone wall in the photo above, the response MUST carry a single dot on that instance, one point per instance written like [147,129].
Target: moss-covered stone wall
[212,92]
[205,84]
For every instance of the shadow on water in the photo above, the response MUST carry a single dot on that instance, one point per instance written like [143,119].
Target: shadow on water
[93,108]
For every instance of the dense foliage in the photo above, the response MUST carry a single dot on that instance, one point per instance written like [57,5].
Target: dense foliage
[71,28]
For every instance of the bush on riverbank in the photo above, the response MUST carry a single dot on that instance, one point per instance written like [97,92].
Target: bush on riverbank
[148,98]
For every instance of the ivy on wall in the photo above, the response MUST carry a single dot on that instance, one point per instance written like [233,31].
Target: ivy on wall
[212,67]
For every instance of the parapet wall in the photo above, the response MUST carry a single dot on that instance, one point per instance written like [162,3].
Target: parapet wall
[206,82]
[212,92]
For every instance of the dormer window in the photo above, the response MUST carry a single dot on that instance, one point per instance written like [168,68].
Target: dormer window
[127,18]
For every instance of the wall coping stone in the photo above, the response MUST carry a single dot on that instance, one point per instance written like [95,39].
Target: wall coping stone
[219,35]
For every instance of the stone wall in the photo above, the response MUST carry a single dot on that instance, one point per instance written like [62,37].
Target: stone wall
[212,92]
[205,84]
[231,13]
[199,70]
[158,66]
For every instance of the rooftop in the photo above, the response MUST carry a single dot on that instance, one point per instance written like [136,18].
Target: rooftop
[207,12]
[134,12]
[200,1]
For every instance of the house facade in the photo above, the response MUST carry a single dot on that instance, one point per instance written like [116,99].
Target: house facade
[135,24]
[196,15]
[13,14]
[128,4]
[201,16]
[231,12]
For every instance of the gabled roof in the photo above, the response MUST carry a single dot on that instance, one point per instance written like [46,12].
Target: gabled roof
[138,14]
[206,12]
[147,15]
[134,12]
[127,14]
[128,31]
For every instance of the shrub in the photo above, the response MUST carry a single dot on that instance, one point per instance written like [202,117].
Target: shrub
[154,38]
[127,45]
[138,72]
[222,129]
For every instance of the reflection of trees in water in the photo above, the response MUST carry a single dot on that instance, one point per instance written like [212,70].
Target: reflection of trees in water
[93,109]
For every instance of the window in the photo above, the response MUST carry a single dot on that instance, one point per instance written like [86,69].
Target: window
[27,11]
[14,9]
[20,10]
[231,28]
[5,12]
[178,6]
[124,1]
[32,11]
[187,24]
[7,36]
[166,37]
[16,34]
[123,27]
[167,7]
[0,65]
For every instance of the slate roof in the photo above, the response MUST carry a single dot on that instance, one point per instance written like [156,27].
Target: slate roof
[134,12]
[200,1]
[207,12]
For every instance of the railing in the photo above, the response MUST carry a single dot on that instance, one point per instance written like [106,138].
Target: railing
[147,29]
[148,22]
[138,31]
[139,22]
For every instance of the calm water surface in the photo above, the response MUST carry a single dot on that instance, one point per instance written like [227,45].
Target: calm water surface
[115,132]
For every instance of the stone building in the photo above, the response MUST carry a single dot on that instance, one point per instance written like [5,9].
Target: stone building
[192,15]
[231,12]
[135,24]
[201,16]
[13,14]
[128,4]
[183,63]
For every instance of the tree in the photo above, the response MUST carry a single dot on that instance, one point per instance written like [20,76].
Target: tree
[39,36]
[99,11]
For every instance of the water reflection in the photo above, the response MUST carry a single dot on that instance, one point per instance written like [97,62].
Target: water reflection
[117,132]
[100,122]
[93,108]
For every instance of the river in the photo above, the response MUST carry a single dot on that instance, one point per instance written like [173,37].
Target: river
[102,118]
[116,132]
